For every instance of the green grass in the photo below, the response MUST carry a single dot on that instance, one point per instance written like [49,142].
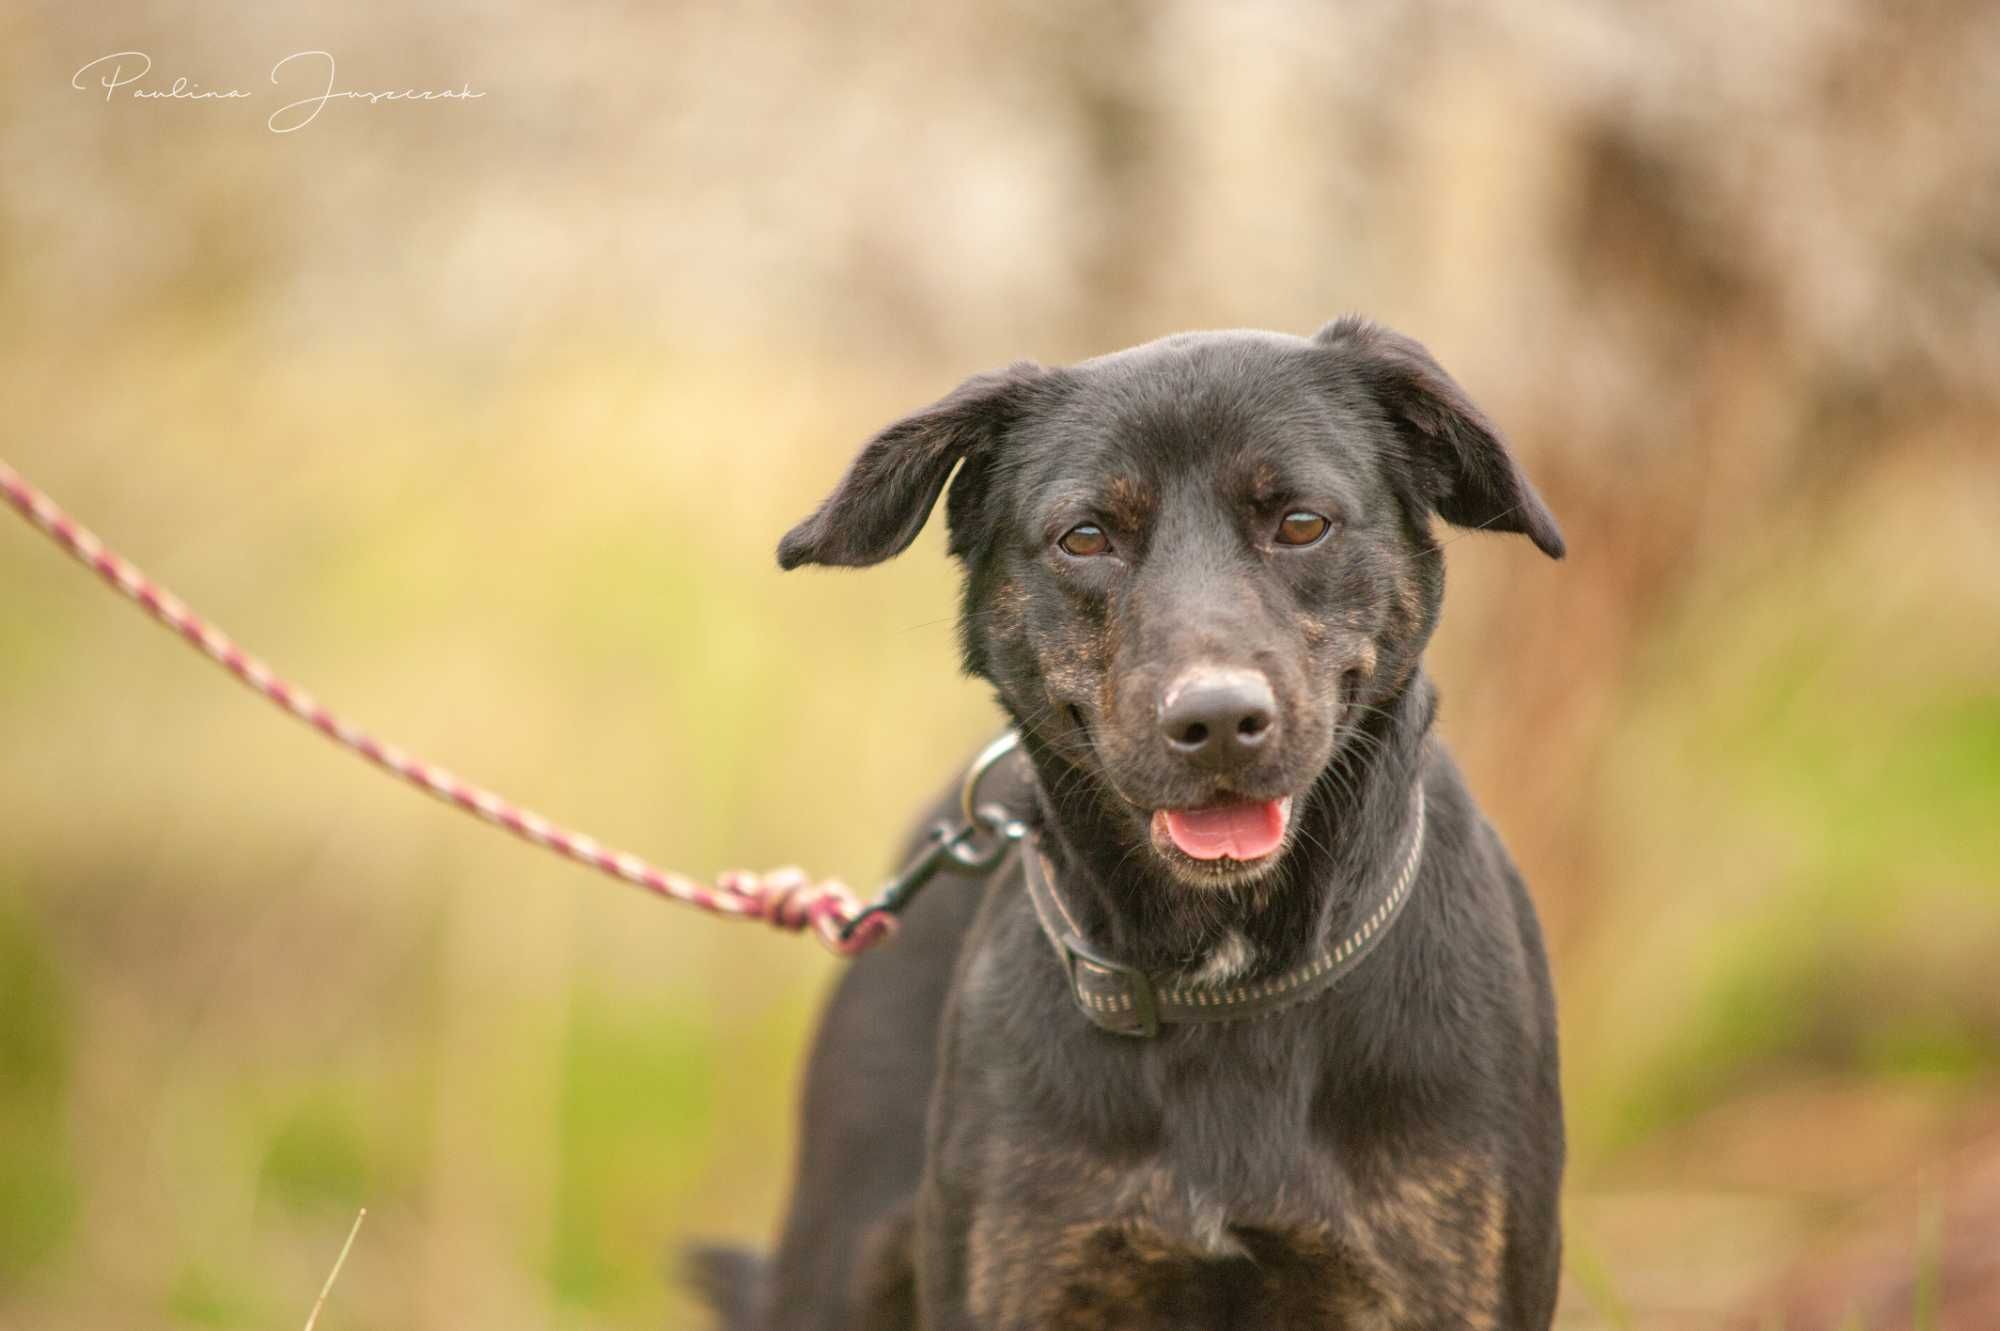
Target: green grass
[1587,1267]
[1862,958]
[201,1296]
[37,1175]
[317,1159]
[638,1123]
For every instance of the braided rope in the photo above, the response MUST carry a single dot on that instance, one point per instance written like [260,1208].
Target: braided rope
[786,898]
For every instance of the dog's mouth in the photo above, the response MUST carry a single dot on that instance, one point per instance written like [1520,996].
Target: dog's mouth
[1224,841]
[1245,833]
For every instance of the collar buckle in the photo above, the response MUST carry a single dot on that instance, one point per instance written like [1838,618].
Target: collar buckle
[1115,997]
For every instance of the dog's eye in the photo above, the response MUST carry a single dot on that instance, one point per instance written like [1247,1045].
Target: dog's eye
[1302,528]
[1084,540]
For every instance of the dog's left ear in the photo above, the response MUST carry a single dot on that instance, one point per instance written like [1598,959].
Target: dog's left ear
[1469,477]
[887,494]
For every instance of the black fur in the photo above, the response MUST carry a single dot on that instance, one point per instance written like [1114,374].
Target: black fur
[975,1153]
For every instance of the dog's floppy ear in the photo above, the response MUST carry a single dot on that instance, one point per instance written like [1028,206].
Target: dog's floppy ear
[1466,472]
[884,499]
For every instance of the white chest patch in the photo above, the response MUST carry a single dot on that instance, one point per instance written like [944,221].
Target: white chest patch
[1230,960]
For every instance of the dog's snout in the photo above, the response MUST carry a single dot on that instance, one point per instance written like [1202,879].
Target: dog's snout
[1218,719]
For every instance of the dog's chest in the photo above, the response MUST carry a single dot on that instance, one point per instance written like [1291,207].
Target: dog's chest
[1270,1234]
[1196,1181]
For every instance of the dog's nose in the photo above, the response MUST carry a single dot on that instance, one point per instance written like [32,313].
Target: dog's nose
[1218,719]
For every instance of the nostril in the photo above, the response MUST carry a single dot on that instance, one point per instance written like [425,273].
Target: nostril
[1195,734]
[1253,725]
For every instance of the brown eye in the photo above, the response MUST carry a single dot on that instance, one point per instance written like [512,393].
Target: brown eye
[1302,528]
[1085,540]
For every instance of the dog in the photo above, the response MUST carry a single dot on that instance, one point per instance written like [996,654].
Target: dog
[1256,1029]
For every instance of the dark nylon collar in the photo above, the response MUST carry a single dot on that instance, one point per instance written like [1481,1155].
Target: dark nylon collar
[1126,1001]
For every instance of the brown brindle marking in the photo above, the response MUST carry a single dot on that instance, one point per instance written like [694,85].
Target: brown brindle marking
[1408,613]
[1074,660]
[1109,1249]
[1439,1229]
[1263,482]
[1367,658]
[1406,623]
[1006,609]
[1129,503]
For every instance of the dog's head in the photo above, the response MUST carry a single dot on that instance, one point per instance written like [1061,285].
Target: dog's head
[1193,568]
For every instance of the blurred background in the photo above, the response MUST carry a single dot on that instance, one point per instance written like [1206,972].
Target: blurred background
[483,417]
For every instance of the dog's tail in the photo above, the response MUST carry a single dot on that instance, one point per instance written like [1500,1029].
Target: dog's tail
[731,1280]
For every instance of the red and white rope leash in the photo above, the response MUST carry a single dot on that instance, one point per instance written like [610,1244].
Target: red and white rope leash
[786,898]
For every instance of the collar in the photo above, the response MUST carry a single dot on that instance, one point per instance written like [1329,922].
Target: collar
[1126,1001]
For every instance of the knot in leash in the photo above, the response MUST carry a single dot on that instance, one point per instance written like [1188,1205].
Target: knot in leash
[788,898]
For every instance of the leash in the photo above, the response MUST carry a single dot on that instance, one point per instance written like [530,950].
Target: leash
[787,898]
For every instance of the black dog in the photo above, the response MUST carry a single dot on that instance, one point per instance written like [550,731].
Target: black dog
[1257,1029]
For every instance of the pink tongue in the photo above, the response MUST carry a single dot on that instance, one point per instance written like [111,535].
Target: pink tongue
[1239,831]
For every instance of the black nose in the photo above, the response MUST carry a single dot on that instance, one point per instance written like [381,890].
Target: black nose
[1218,719]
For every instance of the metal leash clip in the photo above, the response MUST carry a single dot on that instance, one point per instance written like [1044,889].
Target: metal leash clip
[975,847]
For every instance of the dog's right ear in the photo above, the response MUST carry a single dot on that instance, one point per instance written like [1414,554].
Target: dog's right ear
[887,494]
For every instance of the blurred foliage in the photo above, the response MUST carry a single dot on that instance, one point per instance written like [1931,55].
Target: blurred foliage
[484,420]
[37,1190]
